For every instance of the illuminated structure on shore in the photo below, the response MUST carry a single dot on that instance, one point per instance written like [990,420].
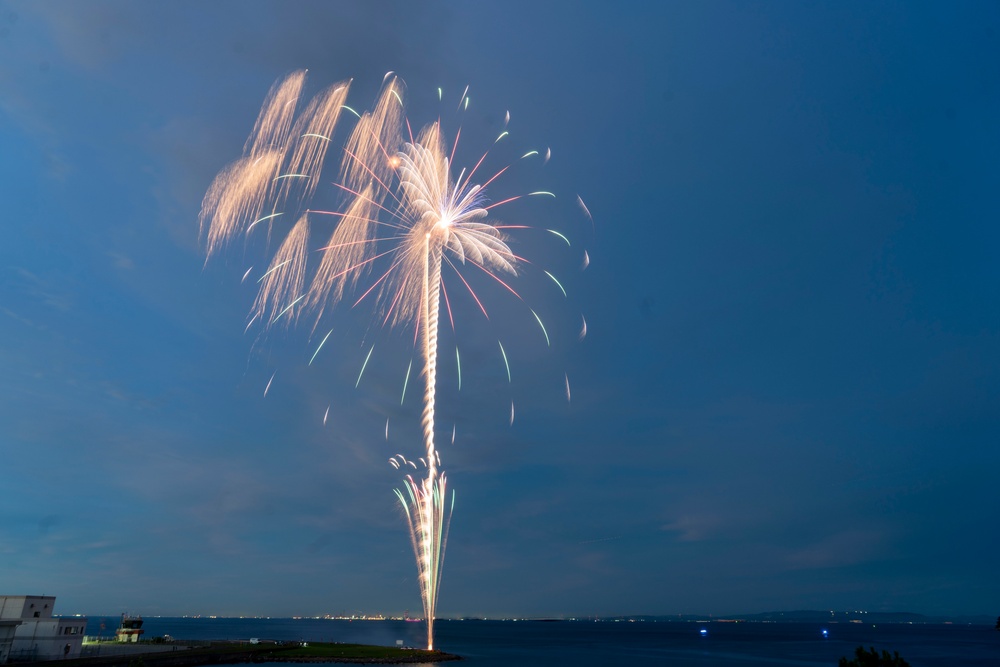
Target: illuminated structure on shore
[38,635]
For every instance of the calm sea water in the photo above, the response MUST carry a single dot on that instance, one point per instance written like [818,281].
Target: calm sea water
[598,644]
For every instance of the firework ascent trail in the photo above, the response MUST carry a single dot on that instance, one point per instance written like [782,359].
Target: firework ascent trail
[403,208]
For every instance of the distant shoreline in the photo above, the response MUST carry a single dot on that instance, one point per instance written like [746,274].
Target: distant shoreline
[227,653]
[433,656]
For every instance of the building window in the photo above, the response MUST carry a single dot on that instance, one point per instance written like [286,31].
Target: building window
[37,613]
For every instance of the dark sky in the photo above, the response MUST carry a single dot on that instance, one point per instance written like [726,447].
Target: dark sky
[788,397]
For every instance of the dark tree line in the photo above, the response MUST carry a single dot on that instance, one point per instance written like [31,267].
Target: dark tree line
[863,658]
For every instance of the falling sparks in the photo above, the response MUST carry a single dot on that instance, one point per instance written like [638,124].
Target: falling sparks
[406,381]
[568,396]
[556,281]
[562,236]
[272,270]
[363,367]
[506,363]
[268,387]
[539,320]
[319,347]
[586,211]
[287,308]
[265,218]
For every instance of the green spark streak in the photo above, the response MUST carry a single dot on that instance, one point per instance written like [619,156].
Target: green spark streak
[358,383]
[266,217]
[541,192]
[529,153]
[406,381]
[547,342]
[398,98]
[272,270]
[552,231]
[344,106]
[287,308]
[291,176]
[318,136]
[466,102]
[556,282]
[439,94]
[322,343]
[458,362]
[402,502]
[502,135]
[452,510]
[505,363]
[409,490]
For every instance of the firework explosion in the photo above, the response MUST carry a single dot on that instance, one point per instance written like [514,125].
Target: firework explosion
[402,208]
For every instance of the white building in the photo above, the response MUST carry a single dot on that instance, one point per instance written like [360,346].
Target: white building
[39,635]
[7,629]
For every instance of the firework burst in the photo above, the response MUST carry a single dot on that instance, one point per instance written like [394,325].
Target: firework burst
[403,211]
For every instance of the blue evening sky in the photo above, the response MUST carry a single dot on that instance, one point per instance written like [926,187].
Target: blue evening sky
[789,392]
